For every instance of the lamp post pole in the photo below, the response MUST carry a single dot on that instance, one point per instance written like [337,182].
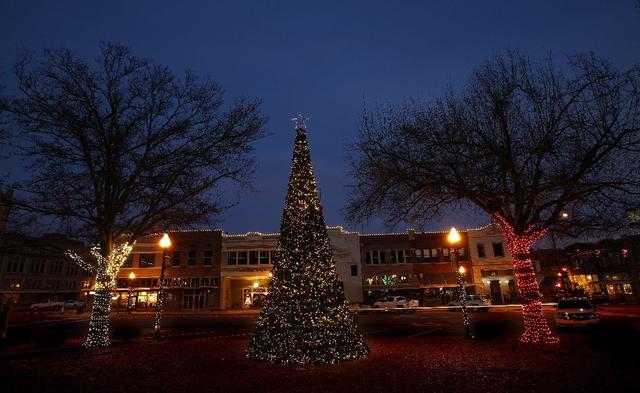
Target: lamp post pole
[132,277]
[454,240]
[165,243]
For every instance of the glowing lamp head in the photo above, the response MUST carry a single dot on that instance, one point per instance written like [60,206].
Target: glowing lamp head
[165,242]
[132,276]
[454,236]
[462,270]
[270,274]
[564,215]
[256,284]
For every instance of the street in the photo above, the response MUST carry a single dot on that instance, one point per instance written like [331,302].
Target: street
[497,323]
[418,352]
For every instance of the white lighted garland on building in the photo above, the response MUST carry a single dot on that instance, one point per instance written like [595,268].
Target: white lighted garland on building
[106,270]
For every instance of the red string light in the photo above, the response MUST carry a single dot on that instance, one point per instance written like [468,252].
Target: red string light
[536,328]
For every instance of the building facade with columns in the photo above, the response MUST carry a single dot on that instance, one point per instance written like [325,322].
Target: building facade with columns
[247,262]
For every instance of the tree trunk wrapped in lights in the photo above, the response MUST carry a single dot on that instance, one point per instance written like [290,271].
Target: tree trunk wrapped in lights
[106,270]
[536,328]
[305,317]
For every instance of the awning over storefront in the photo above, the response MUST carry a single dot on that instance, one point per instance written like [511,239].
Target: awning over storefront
[438,280]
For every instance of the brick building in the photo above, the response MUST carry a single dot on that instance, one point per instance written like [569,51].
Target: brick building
[413,264]
[192,272]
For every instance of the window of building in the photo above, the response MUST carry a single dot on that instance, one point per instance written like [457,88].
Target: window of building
[207,255]
[253,257]
[272,256]
[445,252]
[375,257]
[242,257]
[481,252]
[393,257]
[176,258]
[191,256]
[232,257]
[354,270]
[264,257]
[628,290]
[129,261]
[498,250]
[147,260]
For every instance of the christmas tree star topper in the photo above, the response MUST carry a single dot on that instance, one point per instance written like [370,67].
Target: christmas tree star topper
[300,122]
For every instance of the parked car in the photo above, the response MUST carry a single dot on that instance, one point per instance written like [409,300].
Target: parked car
[395,302]
[47,306]
[576,312]
[474,302]
[73,305]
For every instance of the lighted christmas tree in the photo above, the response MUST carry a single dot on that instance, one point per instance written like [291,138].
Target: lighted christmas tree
[305,317]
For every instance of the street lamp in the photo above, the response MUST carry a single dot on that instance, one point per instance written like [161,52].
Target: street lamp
[165,243]
[454,240]
[132,276]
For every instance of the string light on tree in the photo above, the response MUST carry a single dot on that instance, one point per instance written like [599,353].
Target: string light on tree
[305,317]
[106,270]
[536,328]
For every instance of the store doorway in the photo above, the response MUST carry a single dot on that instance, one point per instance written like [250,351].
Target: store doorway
[253,297]
[496,292]
[194,300]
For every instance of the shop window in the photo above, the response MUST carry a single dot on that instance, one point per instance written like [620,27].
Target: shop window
[498,250]
[231,257]
[242,257]
[253,257]
[481,252]
[147,260]
[264,257]
[207,256]
[176,258]
[628,290]
[393,257]
[354,270]
[191,256]
[375,257]
[403,256]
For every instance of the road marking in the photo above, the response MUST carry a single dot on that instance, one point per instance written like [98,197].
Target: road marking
[425,332]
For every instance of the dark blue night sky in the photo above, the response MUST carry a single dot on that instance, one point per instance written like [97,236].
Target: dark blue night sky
[323,59]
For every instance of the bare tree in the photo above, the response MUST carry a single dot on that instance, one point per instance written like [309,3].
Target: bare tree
[123,147]
[529,144]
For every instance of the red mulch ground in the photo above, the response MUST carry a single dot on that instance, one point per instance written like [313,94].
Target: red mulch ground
[427,364]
